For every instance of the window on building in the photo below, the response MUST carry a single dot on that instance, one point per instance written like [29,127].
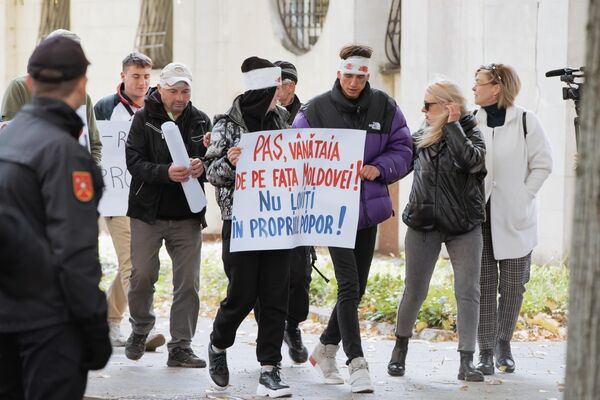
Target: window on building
[393,35]
[56,14]
[155,31]
[302,22]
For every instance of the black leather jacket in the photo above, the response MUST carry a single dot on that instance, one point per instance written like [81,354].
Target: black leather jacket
[448,194]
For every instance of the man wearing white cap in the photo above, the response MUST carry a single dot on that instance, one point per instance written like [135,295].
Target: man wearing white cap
[159,212]
[353,104]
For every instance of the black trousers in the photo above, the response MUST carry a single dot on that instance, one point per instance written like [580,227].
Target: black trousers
[300,277]
[262,275]
[351,271]
[42,364]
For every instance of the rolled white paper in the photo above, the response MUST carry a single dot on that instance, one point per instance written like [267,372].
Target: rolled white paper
[192,189]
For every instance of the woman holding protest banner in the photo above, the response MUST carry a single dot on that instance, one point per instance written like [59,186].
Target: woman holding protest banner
[253,275]
[353,104]
[446,205]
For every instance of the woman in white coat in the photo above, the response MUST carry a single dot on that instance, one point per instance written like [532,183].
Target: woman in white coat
[518,161]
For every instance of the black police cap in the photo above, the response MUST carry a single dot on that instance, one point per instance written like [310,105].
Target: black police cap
[57,59]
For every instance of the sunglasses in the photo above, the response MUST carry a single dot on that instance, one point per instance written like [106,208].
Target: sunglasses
[427,105]
[493,68]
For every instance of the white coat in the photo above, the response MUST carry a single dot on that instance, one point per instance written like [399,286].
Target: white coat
[517,166]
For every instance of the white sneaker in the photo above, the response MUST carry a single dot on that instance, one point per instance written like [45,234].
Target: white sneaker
[359,376]
[323,359]
[114,334]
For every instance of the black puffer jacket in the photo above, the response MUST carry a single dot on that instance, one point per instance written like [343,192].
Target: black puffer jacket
[148,157]
[447,194]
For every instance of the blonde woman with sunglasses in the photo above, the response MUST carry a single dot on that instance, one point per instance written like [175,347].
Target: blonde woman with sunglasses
[446,205]
[518,161]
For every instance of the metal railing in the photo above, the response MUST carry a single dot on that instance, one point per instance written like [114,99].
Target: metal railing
[393,34]
[155,31]
[56,14]
[303,21]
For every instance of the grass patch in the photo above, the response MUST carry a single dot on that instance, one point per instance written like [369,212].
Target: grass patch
[546,291]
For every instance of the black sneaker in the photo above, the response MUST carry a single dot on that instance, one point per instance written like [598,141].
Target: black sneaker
[297,351]
[270,384]
[135,346]
[185,358]
[217,367]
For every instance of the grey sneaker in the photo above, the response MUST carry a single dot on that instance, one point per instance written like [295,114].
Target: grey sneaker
[135,346]
[359,376]
[323,359]
[185,358]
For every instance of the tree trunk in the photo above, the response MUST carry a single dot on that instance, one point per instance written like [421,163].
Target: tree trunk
[583,347]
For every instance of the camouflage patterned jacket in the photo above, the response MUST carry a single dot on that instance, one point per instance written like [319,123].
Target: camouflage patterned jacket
[226,134]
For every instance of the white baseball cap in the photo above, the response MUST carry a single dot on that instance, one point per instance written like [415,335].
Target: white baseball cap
[175,72]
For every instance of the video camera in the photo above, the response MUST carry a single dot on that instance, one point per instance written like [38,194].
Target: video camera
[574,80]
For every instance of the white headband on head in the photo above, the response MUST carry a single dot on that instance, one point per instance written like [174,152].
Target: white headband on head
[262,78]
[354,65]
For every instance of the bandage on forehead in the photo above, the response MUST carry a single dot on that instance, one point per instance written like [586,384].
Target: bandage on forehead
[262,78]
[354,66]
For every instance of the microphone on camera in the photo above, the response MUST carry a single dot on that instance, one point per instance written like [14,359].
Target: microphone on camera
[562,71]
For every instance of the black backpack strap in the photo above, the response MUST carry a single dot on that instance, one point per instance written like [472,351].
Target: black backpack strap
[525,123]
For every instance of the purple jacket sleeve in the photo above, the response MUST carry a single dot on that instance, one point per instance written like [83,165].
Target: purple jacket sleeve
[395,160]
[300,121]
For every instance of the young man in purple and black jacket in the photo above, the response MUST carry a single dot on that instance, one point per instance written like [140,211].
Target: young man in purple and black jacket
[353,104]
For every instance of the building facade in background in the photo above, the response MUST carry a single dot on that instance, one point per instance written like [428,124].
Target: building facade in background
[414,41]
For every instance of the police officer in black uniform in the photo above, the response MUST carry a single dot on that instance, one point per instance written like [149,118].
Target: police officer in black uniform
[50,338]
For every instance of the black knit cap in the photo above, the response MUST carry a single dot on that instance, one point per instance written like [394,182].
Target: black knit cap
[57,59]
[288,70]
[254,62]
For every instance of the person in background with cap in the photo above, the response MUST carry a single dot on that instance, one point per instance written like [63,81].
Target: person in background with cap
[50,340]
[159,211]
[252,275]
[288,98]
[18,93]
[301,257]
[122,106]
[353,104]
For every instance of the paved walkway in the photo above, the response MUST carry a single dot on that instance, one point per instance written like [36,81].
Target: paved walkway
[431,373]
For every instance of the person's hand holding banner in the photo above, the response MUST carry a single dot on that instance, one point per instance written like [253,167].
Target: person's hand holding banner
[191,187]
[297,187]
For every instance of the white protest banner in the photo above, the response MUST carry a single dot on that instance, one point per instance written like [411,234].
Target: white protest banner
[117,179]
[297,187]
[191,188]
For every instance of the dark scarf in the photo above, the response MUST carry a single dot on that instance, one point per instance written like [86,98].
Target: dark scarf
[358,105]
[495,115]
[254,105]
[353,111]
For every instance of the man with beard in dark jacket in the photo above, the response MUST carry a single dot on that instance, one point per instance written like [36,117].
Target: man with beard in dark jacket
[51,337]
[253,275]
[353,104]
[159,212]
